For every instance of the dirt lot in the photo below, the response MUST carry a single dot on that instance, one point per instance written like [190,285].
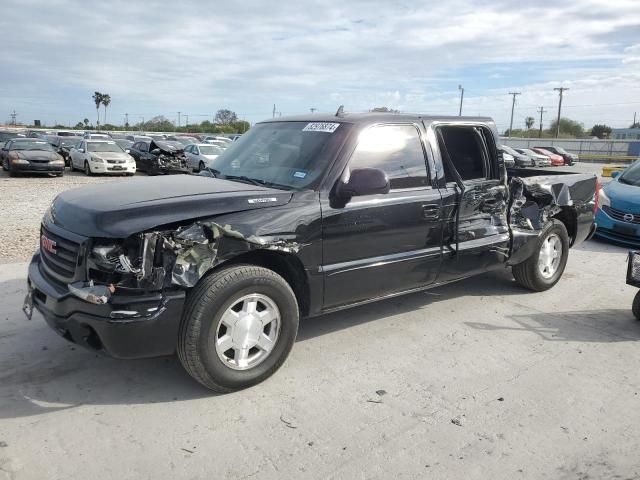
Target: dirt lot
[476,380]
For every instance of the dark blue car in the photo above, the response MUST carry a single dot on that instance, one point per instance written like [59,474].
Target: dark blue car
[618,217]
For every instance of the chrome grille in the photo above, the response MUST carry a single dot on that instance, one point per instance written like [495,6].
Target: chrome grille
[621,216]
[61,258]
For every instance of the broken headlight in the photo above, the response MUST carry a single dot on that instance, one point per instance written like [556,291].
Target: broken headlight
[113,258]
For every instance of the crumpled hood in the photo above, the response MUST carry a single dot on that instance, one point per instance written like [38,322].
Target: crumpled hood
[623,197]
[118,210]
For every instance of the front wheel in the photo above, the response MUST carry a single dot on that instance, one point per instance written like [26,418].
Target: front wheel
[201,167]
[636,306]
[238,327]
[87,169]
[543,269]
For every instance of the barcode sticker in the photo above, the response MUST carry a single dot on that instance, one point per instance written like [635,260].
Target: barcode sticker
[326,127]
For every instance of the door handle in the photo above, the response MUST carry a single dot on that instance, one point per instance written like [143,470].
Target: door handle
[431,211]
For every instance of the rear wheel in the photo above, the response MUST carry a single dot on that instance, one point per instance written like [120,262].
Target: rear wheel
[238,327]
[544,268]
[201,167]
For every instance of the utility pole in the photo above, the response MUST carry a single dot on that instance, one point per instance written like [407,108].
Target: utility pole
[13,118]
[541,110]
[313,110]
[461,88]
[126,120]
[513,104]
[274,110]
[561,90]
[178,119]
[187,121]
[634,118]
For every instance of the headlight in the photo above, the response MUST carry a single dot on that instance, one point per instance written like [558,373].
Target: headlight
[57,162]
[603,199]
[96,159]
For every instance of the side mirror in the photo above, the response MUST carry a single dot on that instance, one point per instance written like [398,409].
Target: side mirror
[615,174]
[363,181]
[81,150]
[127,150]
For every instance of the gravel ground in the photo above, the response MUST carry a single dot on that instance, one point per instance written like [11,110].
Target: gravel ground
[25,200]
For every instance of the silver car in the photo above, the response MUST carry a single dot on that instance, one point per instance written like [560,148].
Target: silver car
[538,159]
[201,155]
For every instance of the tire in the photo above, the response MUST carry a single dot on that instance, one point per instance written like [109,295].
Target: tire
[202,326]
[530,273]
[636,306]
[87,169]
[201,166]
[5,163]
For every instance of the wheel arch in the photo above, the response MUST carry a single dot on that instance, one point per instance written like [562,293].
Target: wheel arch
[287,265]
[568,217]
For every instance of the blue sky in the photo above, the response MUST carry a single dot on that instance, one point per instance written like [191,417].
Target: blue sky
[158,58]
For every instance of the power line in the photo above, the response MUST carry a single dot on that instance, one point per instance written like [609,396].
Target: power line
[513,105]
[561,90]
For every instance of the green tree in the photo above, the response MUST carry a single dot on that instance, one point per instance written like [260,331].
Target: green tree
[568,128]
[529,121]
[86,122]
[97,99]
[226,117]
[384,110]
[79,126]
[106,100]
[601,131]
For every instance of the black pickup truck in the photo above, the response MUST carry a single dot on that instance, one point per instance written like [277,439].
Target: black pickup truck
[301,216]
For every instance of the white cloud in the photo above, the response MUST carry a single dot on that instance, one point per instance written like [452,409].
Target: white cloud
[159,57]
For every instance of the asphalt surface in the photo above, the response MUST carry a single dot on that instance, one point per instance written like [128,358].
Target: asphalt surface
[477,380]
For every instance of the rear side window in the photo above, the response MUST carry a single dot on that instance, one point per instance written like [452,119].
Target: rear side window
[397,151]
[467,148]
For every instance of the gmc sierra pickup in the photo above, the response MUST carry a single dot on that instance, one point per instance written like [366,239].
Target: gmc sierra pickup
[301,216]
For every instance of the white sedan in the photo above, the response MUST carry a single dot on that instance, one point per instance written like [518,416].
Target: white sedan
[101,156]
[201,155]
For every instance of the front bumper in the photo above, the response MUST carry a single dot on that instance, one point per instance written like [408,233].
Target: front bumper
[620,232]
[37,167]
[111,328]
[113,168]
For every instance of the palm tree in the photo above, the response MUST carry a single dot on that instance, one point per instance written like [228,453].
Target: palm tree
[106,100]
[86,122]
[529,121]
[97,99]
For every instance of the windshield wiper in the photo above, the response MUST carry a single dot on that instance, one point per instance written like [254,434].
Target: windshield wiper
[213,171]
[244,178]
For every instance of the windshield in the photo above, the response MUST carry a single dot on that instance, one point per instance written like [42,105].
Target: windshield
[210,150]
[287,155]
[124,143]
[31,145]
[103,147]
[70,141]
[631,176]
[562,151]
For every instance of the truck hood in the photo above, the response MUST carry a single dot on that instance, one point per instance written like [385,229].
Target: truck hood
[118,210]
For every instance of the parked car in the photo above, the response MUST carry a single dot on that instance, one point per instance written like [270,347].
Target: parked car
[124,144]
[30,155]
[521,160]
[97,136]
[537,159]
[8,135]
[184,140]
[218,143]
[556,160]
[139,138]
[221,269]
[509,161]
[618,217]
[156,157]
[569,158]
[67,133]
[222,139]
[201,155]
[101,156]
[63,146]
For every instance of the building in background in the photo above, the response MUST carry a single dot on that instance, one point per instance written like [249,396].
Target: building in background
[625,134]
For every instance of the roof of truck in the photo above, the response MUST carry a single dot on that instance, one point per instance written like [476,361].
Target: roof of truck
[374,117]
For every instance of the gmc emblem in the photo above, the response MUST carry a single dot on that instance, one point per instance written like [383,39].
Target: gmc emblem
[48,244]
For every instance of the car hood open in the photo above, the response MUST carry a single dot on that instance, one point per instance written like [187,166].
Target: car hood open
[118,210]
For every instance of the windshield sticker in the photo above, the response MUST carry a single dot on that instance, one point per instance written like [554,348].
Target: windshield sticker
[299,174]
[325,127]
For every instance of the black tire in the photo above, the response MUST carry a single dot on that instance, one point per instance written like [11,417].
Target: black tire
[5,162]
[528,273]
[87,169]
[636,306]
[204,308]
[201,166]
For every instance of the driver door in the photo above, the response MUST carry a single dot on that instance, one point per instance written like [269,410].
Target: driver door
[376,245]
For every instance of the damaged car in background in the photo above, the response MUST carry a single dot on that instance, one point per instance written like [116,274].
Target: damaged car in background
[301,216]
[158,157]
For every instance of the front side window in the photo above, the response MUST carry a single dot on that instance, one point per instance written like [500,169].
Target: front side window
[394,149]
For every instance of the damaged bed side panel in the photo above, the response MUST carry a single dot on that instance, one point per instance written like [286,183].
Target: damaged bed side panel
[535,200]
